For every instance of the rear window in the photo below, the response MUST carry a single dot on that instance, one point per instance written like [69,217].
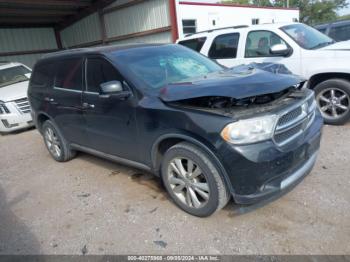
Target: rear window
[224,46]
[69,74]
[195,44]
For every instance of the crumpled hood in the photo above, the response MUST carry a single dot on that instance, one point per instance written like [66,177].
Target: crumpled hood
[14,91]
[239,82]
[341,46]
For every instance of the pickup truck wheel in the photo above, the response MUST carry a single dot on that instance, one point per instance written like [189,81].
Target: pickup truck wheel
[55,143]
[333,100]
[193,181]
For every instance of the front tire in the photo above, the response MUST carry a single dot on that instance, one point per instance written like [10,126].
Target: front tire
[333,100]
[55,143]
[193,181]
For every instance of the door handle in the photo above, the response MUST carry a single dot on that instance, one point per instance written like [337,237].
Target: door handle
[86,105]
[48,99]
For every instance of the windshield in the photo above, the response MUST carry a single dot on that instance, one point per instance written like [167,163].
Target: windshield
[12,75]
[162,65]
[306,36]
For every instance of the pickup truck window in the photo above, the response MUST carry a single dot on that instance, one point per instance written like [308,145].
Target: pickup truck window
[224,46]
[195,44]
[259,43]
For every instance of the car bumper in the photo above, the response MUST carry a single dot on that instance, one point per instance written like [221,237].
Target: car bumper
[13,122]
[260,171]
[278,187]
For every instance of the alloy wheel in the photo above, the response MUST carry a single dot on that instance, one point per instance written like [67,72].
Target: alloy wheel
[188,182]
[52,142]
[334,103]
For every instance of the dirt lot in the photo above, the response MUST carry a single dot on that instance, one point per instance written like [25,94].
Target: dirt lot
[93,206]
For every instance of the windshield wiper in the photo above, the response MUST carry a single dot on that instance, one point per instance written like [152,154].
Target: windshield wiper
[320,45]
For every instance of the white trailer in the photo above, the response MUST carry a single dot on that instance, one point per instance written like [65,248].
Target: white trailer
[199,16]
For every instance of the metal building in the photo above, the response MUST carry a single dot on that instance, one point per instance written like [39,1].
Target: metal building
[29,29]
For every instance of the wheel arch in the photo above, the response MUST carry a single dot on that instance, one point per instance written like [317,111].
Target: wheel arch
[40,119]
[320,77]
[164,142]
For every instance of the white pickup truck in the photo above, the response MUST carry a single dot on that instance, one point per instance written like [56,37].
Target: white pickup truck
[302,49]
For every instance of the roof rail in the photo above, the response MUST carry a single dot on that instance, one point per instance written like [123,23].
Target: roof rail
[216,29]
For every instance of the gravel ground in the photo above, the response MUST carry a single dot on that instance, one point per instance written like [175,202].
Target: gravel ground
[93,206]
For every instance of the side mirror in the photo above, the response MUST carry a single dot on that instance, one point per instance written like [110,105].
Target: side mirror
[280,50]
[115,89]
[111,87]
[28,75]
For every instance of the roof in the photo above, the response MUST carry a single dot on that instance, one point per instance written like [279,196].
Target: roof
[46,13]
[235,5]
[95,50]
[238,28]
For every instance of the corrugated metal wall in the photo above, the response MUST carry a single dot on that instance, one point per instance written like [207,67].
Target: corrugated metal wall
[145,16]
[164,37]
[26,39]
[133,19]
[84,31]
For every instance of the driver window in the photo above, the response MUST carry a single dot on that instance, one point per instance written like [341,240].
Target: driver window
[259,43]
[99,71]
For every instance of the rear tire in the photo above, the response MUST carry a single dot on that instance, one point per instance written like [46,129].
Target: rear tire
[55,143]
[333,100]
[193,181]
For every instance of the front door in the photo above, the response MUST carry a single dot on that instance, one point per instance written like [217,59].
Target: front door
[257,49]
[110,121]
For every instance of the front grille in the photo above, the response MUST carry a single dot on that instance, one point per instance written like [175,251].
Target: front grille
[23,105]
[288,134]
[288,117]
[293,123]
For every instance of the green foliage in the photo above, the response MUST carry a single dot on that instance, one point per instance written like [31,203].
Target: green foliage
[311,11]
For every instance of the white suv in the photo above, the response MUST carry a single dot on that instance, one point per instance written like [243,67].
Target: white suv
[302,49]
[14,105]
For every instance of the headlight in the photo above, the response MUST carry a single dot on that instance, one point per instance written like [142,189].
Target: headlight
[3,108]
[250,130]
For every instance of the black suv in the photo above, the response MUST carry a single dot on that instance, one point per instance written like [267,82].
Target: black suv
[209,132]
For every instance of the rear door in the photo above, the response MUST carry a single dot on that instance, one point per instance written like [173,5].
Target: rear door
[111,125]
[224,49]
[65,99]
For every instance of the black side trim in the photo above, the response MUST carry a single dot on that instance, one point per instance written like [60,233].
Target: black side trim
[110,157]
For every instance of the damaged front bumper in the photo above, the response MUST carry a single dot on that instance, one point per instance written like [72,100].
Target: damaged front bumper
[262,170]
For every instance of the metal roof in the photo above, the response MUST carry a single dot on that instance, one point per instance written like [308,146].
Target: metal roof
[46,13]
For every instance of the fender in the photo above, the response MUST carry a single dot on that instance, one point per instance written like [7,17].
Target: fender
[36,118]
[198,143]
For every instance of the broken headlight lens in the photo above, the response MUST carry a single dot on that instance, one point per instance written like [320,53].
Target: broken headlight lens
[250,130]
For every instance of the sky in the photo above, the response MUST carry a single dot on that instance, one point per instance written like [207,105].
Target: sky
[344,11]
